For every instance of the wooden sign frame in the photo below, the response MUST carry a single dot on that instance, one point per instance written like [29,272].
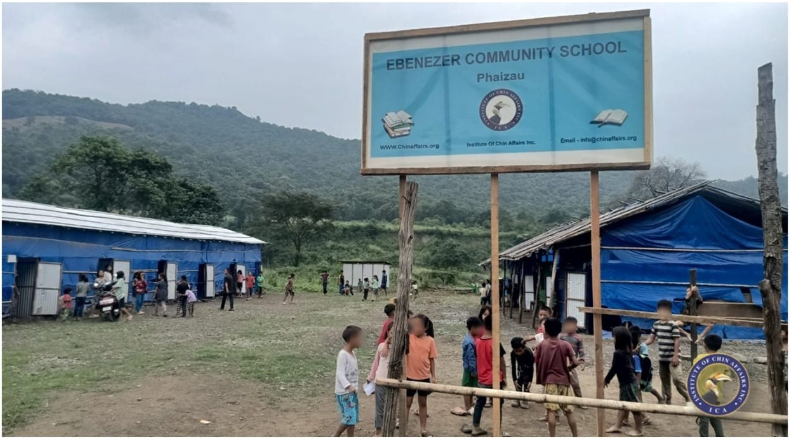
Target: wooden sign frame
[506,25]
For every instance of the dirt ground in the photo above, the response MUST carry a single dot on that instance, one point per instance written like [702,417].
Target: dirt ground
[173,401]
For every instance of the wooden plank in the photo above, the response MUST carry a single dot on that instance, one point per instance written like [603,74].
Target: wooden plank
[693,311]
[500,25]
[772,222]
[654,316]
[403,410]
[495,230]
[683,410]
[596,289]
[366,95]
[506,169]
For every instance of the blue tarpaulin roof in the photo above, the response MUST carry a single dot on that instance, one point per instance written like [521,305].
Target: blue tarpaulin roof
[664,245]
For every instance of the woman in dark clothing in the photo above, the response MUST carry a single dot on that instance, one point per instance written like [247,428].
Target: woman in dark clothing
[181,296]
[161,295]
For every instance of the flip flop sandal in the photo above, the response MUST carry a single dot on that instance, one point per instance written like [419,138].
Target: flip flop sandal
[613,430]
[458,411]
[466,429]
[426,434]
[480,432]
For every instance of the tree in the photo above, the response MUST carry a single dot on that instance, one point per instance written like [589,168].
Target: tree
[447,254]
[666,175]
[99,173]
[296,216]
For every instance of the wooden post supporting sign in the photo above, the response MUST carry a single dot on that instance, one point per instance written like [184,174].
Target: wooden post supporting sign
[397,368]
[596,287]
[495,226]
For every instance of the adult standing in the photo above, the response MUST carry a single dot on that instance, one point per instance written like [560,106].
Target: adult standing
[181,296]
[383,285]
[325,277]
[239,282]
[341,282]
[161,295]
[82,294]
[228,289]
[260,283]
[119,289]
[140,287]
[250,284]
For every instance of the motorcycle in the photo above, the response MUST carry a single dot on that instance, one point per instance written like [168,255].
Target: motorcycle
[109,307]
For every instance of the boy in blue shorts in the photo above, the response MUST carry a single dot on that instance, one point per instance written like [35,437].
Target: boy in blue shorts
[346,379]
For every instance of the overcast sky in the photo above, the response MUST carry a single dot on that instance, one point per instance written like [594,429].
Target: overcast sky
[301,64]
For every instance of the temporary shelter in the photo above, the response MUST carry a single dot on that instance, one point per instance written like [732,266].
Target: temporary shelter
[354,270]
[647,250]
[46,247]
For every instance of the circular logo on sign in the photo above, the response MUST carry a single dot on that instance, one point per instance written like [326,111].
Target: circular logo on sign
[501,109]
[718,384]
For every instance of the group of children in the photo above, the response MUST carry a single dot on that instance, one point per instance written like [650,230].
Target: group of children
[555,359]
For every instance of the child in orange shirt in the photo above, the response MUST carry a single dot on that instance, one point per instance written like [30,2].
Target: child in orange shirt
[420,364]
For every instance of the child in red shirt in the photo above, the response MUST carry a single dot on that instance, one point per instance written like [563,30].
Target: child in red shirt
[64,302]
[553,357]
[483,353]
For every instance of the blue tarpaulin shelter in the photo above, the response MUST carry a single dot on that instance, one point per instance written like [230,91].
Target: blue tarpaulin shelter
[46,247]
[648,248]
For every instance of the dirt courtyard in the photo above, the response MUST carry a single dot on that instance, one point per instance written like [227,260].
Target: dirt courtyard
[264,370]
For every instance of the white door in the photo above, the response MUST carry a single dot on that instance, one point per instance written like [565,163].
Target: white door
[575,297]
[348,274]
[126,267]
[368,271]
[171,272]
[209,276]
[243,269]
[530,294]
[45,298]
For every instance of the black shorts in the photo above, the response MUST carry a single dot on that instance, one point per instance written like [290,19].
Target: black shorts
[122,303]
[411,392]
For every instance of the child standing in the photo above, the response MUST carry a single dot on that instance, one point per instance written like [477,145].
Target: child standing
[250,284]
[486,376]
[375,286]
[570,336]
[289,289]
[366,287]
[390,313]
[469,375]
[346,381]
[191,299]
[259,283]
[379,369]
[666,334]
[482,292]
[359,286]
[623,367]
[64,303]
[522,363]
[420,364]
[712,343]
[647,368]
[82,295]
[554,358]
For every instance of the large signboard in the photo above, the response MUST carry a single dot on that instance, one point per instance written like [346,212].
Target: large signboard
[554,94]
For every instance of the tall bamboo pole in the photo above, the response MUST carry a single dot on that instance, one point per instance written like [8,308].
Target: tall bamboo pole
[596,288]
[495,228]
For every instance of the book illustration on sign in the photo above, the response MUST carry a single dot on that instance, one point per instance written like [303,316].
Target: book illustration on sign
[398,124]
[610,117]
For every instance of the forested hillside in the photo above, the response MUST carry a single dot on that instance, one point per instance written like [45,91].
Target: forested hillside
[245,158]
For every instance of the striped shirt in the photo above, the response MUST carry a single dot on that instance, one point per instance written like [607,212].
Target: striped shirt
[666,334]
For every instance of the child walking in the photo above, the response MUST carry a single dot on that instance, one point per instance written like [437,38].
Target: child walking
[623,367]
[713,343]
[346,380]
[366,287]
[522,364]
[420,364]
[646,377]
[666,334]
[379,369]
[289,289]
[191,299]
[554,359]
[469,375]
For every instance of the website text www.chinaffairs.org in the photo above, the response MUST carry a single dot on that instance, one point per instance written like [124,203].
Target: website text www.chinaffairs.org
[412,146]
